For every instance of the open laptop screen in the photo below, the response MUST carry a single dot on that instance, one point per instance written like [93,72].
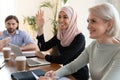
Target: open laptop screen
[17,52]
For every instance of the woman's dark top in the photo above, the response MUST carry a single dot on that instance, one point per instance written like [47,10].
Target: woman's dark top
[67,54]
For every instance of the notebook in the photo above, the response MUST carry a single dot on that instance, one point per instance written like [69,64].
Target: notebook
[27,75]
[34,61]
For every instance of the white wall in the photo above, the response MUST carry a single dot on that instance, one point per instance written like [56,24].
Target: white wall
[6,7]
[29,8]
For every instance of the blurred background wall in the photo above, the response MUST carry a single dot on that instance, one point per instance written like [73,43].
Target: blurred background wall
[22,8]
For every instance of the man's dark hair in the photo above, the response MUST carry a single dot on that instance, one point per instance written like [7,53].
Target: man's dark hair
[12,17]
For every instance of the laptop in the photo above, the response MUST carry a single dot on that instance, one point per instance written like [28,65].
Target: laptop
[31,61]
[15,49]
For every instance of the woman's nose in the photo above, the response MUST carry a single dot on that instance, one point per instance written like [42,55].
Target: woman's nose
[89,25]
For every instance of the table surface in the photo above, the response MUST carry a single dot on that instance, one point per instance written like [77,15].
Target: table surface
[10,67]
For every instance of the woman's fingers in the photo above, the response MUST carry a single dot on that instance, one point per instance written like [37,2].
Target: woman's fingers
[50,73]
[40,19]
[45,78]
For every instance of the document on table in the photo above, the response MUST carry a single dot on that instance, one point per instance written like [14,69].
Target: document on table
[64,78]
[2,63]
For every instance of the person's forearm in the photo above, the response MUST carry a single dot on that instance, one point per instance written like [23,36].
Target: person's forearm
[30,46]
[40,31]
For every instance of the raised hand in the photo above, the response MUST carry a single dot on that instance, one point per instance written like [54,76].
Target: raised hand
[40,21]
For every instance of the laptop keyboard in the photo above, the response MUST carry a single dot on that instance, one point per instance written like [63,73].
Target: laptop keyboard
[32,62]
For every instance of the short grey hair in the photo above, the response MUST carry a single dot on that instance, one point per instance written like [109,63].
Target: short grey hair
[106,12]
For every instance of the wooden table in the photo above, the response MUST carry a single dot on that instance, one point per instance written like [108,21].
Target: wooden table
[10,67]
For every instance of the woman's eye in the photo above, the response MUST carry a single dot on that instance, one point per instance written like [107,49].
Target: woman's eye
[93,21]
[65,17]
[88,21]
[59,17]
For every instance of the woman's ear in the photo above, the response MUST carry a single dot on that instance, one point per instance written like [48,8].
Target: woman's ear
[110,25]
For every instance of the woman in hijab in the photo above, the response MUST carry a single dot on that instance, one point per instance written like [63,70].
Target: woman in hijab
[69,40]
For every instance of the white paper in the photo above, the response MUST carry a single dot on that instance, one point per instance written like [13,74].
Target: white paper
[64,78]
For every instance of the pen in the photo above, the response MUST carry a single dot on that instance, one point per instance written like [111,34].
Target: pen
[2,65]
[36,77]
